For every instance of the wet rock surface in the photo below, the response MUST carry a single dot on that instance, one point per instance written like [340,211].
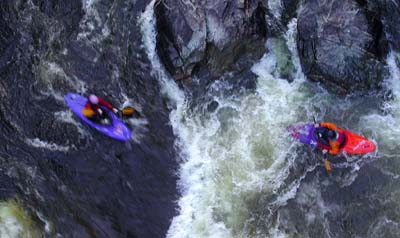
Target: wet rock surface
[388,13]
[215,35]
[341,46]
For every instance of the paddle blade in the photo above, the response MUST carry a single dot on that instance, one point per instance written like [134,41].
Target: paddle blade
[328,166]
[129,112]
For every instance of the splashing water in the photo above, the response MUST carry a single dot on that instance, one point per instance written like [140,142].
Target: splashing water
[47,145]
[240,153]
[230,155]
[386,127]
[16,222]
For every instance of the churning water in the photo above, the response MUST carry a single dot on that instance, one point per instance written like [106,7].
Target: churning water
[242,176]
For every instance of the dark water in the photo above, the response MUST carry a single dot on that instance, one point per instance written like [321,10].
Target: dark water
[239,178]
[84,183]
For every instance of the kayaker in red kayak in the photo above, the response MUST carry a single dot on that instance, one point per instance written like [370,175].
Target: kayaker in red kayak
[92,109]
[330,137]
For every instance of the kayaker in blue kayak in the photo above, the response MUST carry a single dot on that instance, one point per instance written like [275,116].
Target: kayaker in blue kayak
[114,128]
[92,109]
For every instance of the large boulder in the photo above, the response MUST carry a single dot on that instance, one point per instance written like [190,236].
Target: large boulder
[341,45]
[193,35]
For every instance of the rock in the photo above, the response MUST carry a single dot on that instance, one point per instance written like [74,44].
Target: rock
[339,46]
[388,13]
[214,34]
[181,40]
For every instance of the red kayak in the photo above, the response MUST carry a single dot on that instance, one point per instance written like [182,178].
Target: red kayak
[356,144]
[353,144]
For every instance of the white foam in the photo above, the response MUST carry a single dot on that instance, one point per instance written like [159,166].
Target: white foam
[149,33]
[315,209]
[10,227]
[52,74]
[168,86]
[275,7]
[240,152]
[291,39]
[233,156]
[236,155]
[36,142]
[15,222]
[90,22]
[68,117]
[48,227]
[385,126]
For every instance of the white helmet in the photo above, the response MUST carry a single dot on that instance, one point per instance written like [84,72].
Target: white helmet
[93,99]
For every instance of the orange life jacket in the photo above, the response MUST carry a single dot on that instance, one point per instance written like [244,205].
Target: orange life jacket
[334,145]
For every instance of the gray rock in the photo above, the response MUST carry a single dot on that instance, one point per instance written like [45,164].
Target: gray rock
[339,46]
[388,13]
[193,35]
[182,33]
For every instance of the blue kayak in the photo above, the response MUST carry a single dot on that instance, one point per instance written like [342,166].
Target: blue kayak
[117,129]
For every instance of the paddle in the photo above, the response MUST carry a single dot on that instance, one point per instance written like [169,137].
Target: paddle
[327,164]
[316,124]
[129,112]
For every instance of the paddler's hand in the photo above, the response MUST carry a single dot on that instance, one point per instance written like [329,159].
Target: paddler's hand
[316,125]
[324,151]
[100,111]
[115,110]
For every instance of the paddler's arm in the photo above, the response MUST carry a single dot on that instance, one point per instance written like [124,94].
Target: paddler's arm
[331,126]
[88,105]
[106,104]
[334,150]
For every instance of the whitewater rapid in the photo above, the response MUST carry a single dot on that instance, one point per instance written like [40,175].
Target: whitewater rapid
[240,153]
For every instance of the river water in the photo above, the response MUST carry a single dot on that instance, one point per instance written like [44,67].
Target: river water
[242,176]
[214,163]
[71,180]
